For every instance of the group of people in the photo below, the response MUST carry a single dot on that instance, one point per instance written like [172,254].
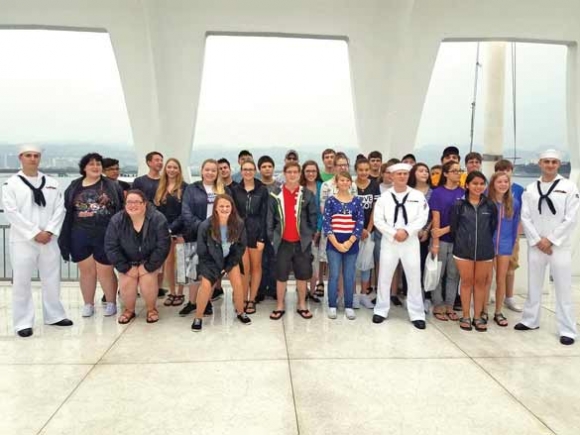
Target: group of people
[310,221]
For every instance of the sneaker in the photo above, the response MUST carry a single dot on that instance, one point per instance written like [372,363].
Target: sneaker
[196,325]
[356,301]
[349,313]
[110,309]
[88,310]
[217,293]
[208,309]
[332,313]
[366,302]
[188,309]
[511,305]
[245,319]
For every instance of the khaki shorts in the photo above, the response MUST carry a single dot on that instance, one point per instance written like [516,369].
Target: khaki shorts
[515,258]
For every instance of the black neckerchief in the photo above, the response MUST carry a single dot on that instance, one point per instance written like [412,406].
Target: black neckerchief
[400,205]
[546,196]
[36,191]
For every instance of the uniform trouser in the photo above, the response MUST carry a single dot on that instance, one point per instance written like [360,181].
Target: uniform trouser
[408,253]
[561,267]
[449,277]
[26,258]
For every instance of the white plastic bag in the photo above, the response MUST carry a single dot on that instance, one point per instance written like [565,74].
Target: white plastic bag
[432,273]
[365,259]
[186,262]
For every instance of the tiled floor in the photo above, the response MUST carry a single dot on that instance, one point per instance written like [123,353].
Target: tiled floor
[286,377]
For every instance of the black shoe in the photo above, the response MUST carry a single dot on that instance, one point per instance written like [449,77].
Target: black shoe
[63,322]
[26,332]
[196,325]
[208,309]
[396,301]
[312,297]
[244,319]
[522,327]
[217,293]
[188,309]
[566,341]
[378,319]
[161,292]
[104,299]
[419,324]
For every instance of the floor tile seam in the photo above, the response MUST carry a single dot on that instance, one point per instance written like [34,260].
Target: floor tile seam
[77,386]
[512,395]
[288,361]
[377,358]
[212,361]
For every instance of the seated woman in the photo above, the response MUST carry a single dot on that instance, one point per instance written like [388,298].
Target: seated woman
[221,243]
[137,243]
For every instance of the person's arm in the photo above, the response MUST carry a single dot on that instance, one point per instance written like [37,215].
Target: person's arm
[312,213]
[113,249]
[236,251]
[380,219]
[58,213]
[358,216]
[273,219]
[13,214]
[419,220]
[563,231]
[162,245]
[526,219]
[264,199]
[190,220]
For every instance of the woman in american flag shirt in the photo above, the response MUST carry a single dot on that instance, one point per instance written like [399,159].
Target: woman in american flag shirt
[343,223]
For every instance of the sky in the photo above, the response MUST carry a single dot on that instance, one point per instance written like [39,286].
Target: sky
[58,86]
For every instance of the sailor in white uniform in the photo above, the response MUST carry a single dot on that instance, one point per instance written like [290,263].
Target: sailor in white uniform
[549,214]
[399,214]
[34,208]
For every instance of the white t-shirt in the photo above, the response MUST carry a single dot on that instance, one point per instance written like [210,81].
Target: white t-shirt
[210,199]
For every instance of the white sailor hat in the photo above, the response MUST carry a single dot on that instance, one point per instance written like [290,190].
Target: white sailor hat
[550,154]
[29,148]
[399,167]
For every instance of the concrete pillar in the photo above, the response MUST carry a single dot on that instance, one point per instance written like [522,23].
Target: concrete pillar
[493,111]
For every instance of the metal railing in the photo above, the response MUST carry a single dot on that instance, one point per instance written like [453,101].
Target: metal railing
[68,270]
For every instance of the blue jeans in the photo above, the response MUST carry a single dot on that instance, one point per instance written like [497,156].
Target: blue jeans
[336,262]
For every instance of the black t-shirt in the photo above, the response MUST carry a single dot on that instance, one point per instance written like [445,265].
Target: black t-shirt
[93,208]
[368,196]
[146,185]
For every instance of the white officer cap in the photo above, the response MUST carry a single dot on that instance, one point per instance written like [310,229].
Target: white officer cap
[399,167]
[551,154]
[29,148]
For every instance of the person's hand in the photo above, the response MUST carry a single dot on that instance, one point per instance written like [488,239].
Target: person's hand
[133,272]
[545,245]
[316,238]
[401,235]
[423,235]
[342,247]
[364,235]
[260,246]
[435,250]
[43,237]
[141,270]
[437,232]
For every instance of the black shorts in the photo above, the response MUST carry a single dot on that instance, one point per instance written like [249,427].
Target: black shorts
[290,257]
[85,243]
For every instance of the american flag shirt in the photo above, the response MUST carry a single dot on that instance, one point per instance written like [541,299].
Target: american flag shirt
[343,219]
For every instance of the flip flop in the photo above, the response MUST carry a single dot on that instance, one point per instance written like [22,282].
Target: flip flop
[277,314]
[305,314]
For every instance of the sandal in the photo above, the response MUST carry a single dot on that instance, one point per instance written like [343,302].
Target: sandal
[178,300]
[480,325]
[465,323]
[152,316]
[484,316]
[169,300]
[277,314]
[312,296]
[500,319]
[451,315]
[440,316]
[305,314]
[250,307]
[126,317]
[319,289]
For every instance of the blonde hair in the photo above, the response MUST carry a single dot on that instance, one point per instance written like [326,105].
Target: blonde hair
[218,184]
[507,199]
[161,193]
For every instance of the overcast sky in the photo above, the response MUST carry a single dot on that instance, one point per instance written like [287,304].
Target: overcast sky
[64,86]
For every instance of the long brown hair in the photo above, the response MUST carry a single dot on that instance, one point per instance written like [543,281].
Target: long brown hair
[161,193]
[507,200]
[233,233]
[218,184]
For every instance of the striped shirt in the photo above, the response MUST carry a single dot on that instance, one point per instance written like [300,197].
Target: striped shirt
[343,220]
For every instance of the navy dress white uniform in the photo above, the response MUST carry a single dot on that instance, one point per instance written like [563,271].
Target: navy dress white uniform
[550,210]
[27,219]
[407,210]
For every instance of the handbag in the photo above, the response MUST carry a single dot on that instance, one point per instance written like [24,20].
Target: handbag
[186,260]
[365,259]
[431,273]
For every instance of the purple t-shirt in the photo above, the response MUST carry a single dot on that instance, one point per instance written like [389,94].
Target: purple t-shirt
[442,200]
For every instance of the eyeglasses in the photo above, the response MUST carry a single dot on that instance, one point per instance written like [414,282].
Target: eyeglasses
[134,202]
